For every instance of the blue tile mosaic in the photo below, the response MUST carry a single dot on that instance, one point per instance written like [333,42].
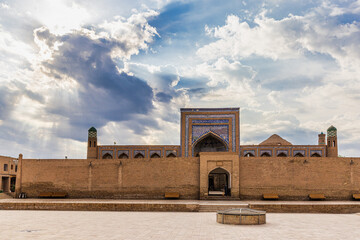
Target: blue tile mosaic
[302,152]
[170,151]
[220,130]
[158,152]
[246,152]
[210,121]
[282,151]
[103,152]
[139,151]
[265,151]
[123,152]
[188,117]
[315,151]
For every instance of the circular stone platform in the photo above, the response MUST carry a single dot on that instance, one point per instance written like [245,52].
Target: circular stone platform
[241,216]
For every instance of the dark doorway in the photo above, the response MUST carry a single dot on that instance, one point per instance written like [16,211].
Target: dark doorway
[12,184]
[219,182]
[5,184]
[210,143]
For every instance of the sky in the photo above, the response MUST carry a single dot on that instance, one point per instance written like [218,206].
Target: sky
[127,67]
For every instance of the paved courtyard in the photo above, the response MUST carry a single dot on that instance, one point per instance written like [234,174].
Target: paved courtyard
[170,225]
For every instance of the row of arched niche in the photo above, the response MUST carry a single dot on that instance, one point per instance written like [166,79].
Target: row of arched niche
[138,155]
[282,154]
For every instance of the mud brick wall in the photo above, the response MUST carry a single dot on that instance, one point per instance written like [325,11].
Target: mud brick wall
[296,177]
[108,178]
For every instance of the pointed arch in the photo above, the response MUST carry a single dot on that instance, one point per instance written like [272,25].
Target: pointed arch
[155,155]
[299,155]
[315,155]
[249,154]
[123,156]
[107,156]
[265,154]
[209,142]
[139,155]
[171,155]
[219,180]
[282,154]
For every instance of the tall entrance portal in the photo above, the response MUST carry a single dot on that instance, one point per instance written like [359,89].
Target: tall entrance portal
[219,182]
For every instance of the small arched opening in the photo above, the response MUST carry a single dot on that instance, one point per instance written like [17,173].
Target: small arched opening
[171,155]
[219,182]
[210,143]
[249,154]
[139,155]
[298,155]
[315,155]
[282,154]
[107,156]
[123,156]
[155,155]
[265,154]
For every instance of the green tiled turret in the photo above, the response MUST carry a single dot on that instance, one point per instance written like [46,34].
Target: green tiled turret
[92,132]
[331,131]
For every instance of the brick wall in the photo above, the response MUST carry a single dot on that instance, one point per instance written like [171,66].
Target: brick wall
[295,178]
[134,178]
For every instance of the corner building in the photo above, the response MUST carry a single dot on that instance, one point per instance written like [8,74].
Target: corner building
[210,163]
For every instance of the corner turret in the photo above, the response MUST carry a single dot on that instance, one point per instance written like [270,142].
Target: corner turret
[322,139]
[332,145]
[92,143]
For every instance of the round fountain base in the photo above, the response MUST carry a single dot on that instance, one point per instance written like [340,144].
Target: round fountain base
[241,216]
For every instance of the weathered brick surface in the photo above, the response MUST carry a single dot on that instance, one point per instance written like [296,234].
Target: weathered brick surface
[87,206]
[292,178]
[295,178]
[133,178]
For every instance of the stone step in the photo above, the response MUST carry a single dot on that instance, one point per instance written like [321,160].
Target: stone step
[215,208]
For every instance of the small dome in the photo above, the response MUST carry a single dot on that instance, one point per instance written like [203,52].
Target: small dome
[92,129]
[332,128]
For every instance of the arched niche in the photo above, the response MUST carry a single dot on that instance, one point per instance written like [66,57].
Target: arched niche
[155,155]
[171,155]
[123,156]
[107,156]
[139,155]
[209,143]
[282,154]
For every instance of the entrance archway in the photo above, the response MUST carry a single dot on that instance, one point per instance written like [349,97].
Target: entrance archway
[210,143]
[219,182]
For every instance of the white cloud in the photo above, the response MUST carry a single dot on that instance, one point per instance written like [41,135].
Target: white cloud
[135,32]
[286,38]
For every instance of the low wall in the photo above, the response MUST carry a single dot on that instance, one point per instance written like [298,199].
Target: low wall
[294,178]
[107,178]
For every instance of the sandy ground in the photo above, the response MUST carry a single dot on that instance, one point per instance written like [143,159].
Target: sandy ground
[171,225]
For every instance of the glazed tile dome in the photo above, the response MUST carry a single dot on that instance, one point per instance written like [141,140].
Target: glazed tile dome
[92,129]
[332,128]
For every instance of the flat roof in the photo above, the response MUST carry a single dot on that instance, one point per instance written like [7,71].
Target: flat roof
[208,109]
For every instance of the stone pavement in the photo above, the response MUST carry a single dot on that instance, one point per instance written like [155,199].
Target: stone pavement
[170,225]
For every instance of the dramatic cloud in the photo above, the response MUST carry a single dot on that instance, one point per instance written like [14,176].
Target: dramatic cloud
[128,67]
[287,38]
[87,61]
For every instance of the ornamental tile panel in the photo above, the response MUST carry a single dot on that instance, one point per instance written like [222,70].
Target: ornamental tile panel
[200,130]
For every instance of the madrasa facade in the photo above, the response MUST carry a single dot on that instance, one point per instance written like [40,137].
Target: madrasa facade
[209,163]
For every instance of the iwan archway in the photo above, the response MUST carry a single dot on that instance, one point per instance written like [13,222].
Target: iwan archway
[210,142]
[219,182]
